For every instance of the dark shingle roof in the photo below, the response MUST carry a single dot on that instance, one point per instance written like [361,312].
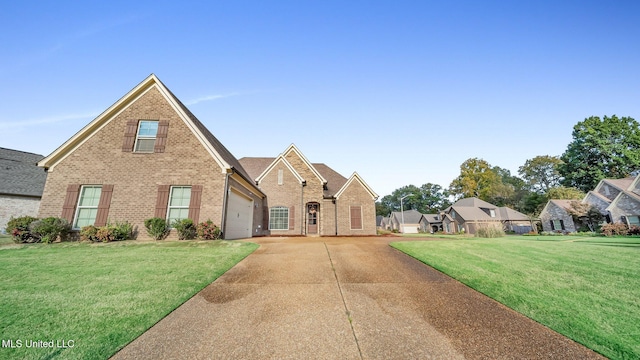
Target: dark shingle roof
[410,216]
[335,181]
[255,165]
[221,149]
[19,174]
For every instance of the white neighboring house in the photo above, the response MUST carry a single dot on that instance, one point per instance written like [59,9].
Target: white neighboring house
[21,185]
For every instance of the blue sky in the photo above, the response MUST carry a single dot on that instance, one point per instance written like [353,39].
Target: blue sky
[401,91]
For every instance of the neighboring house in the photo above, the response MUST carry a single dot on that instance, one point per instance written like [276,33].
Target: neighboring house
[21,185]
[430,223]
[618,200]
[307,198]
[556,217]
[148,156]
[410,219]
[469,214]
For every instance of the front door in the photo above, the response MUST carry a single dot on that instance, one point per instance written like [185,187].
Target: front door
[312,218]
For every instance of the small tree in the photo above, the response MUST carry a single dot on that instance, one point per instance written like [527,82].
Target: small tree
[585,214]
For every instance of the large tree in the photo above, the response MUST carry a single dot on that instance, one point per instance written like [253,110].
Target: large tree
[565,193]
[477,179]
[541,173]
[428,198]
[601,148]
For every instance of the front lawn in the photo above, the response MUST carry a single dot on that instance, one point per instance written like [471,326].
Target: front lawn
[585,291]
[5,239]
[100,296]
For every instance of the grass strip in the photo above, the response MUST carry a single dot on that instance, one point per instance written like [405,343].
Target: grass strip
[100,296]
[587,292]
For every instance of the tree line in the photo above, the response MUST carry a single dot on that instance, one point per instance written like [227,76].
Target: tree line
[600,148]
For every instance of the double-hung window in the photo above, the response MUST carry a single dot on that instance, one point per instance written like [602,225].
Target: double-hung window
[279,218]
[633,220]
[146,135]
[179,200]
[87,206]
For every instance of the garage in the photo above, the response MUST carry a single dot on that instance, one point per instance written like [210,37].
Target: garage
[239,216]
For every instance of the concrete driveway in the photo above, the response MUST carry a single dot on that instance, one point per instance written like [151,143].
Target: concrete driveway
[344,298]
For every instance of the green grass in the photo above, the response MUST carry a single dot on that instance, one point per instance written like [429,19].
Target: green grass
[101,296]
[5,239]
[586,291]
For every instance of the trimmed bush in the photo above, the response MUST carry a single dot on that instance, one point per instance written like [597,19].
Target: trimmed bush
[105,234]
[186,229]
[156,228]
[88,233]
[614,229]
[209,231]
[121,230]
[490,232]
[18,228]
[50,229]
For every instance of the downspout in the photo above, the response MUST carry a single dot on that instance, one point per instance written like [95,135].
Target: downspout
[335,209]
[302,211]
[223,223]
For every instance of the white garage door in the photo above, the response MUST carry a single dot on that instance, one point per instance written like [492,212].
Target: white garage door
[239,216]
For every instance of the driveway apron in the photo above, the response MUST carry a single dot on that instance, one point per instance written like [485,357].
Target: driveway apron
[344,298]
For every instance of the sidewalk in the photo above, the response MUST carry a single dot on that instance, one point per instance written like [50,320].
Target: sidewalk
[344,298]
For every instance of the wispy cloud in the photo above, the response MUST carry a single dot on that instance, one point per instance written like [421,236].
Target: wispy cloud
[8,125]
[210,98]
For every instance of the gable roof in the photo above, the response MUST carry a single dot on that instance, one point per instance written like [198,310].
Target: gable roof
[620,184]
[279,159]
[474,202]
[431,218]
[257,166]
[218,152]
[508,214]
[410,216]
[293,148]
[19,174]
[563,204]
[356,177]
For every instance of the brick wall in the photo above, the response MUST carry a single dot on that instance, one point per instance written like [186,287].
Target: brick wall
[136,176]
[554,212]
[16,206]
[625,206]
[356,195]
[288,195]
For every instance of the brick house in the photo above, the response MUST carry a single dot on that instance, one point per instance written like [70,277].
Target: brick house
[21,185]
[148,156]
[555,216]
[469,214]
[618,200]
[305,198]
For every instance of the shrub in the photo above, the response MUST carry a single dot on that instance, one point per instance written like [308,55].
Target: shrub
[156,228]
[105,234]
[634,230]
[489,232]
[88,233]
[50,229]
[614,229]
[18,228]
[121,230]
[209,231]
[186,229]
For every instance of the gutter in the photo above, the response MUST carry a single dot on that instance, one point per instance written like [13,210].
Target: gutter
[223,223]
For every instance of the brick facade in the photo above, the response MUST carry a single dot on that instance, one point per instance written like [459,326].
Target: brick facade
[135,177]
[136,185]
[553,211]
